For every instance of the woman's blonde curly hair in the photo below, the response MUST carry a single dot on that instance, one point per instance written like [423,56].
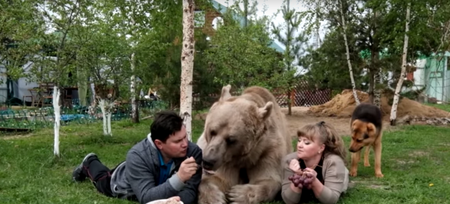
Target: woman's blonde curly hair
[326,135]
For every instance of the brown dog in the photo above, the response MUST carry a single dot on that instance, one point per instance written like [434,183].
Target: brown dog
[366,127]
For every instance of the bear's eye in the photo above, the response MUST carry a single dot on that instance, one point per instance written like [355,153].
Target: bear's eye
[213,133]
[230,140]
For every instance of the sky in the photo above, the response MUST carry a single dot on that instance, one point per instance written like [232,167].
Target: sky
[271,6]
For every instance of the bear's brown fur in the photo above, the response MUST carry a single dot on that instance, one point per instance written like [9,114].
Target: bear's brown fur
[244,141]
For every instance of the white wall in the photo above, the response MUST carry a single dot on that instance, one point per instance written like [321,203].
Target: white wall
[22,87]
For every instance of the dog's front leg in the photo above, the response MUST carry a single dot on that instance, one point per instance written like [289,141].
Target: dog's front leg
[366,156]
[377,149]
[355,161]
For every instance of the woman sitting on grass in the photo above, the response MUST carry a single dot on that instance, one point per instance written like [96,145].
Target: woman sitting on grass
[316,171]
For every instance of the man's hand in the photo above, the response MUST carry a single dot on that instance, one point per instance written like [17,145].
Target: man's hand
[187,169]
[176,198]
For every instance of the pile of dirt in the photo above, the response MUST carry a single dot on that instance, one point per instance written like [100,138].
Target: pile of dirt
[342,105]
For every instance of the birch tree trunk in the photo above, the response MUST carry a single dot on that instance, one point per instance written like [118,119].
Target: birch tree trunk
[187,65]
[102,106]
[403,72]
[105,106]
[57,110]
[108,121]
[134,105]
[347,52]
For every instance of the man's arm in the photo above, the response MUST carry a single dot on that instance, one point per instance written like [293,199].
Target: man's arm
[142,181]
[189,193]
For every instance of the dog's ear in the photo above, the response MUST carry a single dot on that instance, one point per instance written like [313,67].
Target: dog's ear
[371,128]
[353,125]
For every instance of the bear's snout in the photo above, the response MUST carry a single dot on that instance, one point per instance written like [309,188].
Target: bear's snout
[208,164]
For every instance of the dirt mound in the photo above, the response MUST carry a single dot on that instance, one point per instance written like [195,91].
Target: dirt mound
[342,105]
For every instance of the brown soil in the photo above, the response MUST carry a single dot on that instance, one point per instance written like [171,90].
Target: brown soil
[300,118]
[342,105]
[338,112]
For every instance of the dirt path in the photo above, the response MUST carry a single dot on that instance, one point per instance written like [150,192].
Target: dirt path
[299,118]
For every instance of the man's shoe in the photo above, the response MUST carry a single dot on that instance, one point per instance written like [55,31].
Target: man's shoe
[78,175]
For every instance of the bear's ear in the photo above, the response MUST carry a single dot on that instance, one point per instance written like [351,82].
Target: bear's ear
[225,93]
[265,111]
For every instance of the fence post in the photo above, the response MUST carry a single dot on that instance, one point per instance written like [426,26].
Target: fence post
[292,97]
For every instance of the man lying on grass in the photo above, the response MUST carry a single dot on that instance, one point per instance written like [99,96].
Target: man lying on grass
[163,165]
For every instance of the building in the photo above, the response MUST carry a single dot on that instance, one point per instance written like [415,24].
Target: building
[433,74]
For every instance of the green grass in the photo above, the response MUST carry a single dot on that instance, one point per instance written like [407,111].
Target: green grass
[445,107]
[413,158]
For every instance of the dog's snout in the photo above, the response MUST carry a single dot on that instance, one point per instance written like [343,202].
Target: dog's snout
[354,150]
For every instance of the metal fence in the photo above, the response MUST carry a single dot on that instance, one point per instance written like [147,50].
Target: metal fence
[36,118]
[301,95]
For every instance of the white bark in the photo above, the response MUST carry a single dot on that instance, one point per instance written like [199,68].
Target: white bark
[101,104]
[377,91]
[317,7]
[134,108]
[57,110]
[109,122]
[347,52]
[187,64]
[92,85]
[403,72]
[106,113]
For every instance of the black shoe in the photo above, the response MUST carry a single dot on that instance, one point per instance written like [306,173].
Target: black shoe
[78,175]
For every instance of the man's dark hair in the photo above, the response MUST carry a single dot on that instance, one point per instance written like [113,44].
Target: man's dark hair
[165,124]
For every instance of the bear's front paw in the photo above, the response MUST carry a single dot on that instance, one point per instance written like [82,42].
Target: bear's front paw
[244,194]
[209,193]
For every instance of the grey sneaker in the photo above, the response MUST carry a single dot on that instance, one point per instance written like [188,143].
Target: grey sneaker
[78,175]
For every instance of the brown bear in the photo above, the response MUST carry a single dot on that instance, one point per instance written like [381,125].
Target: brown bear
[244,141]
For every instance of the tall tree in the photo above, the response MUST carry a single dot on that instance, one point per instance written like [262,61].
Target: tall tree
[347,51]
[403,72]
[58,64]
[21,24]
[293,41]
[134,21]
[104,52]
[241,56]
[187,65]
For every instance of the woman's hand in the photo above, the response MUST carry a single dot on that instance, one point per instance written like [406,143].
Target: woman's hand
[295,166]
[310,173]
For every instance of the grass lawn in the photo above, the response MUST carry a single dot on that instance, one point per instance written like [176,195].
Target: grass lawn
[445,107]
[415,164]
